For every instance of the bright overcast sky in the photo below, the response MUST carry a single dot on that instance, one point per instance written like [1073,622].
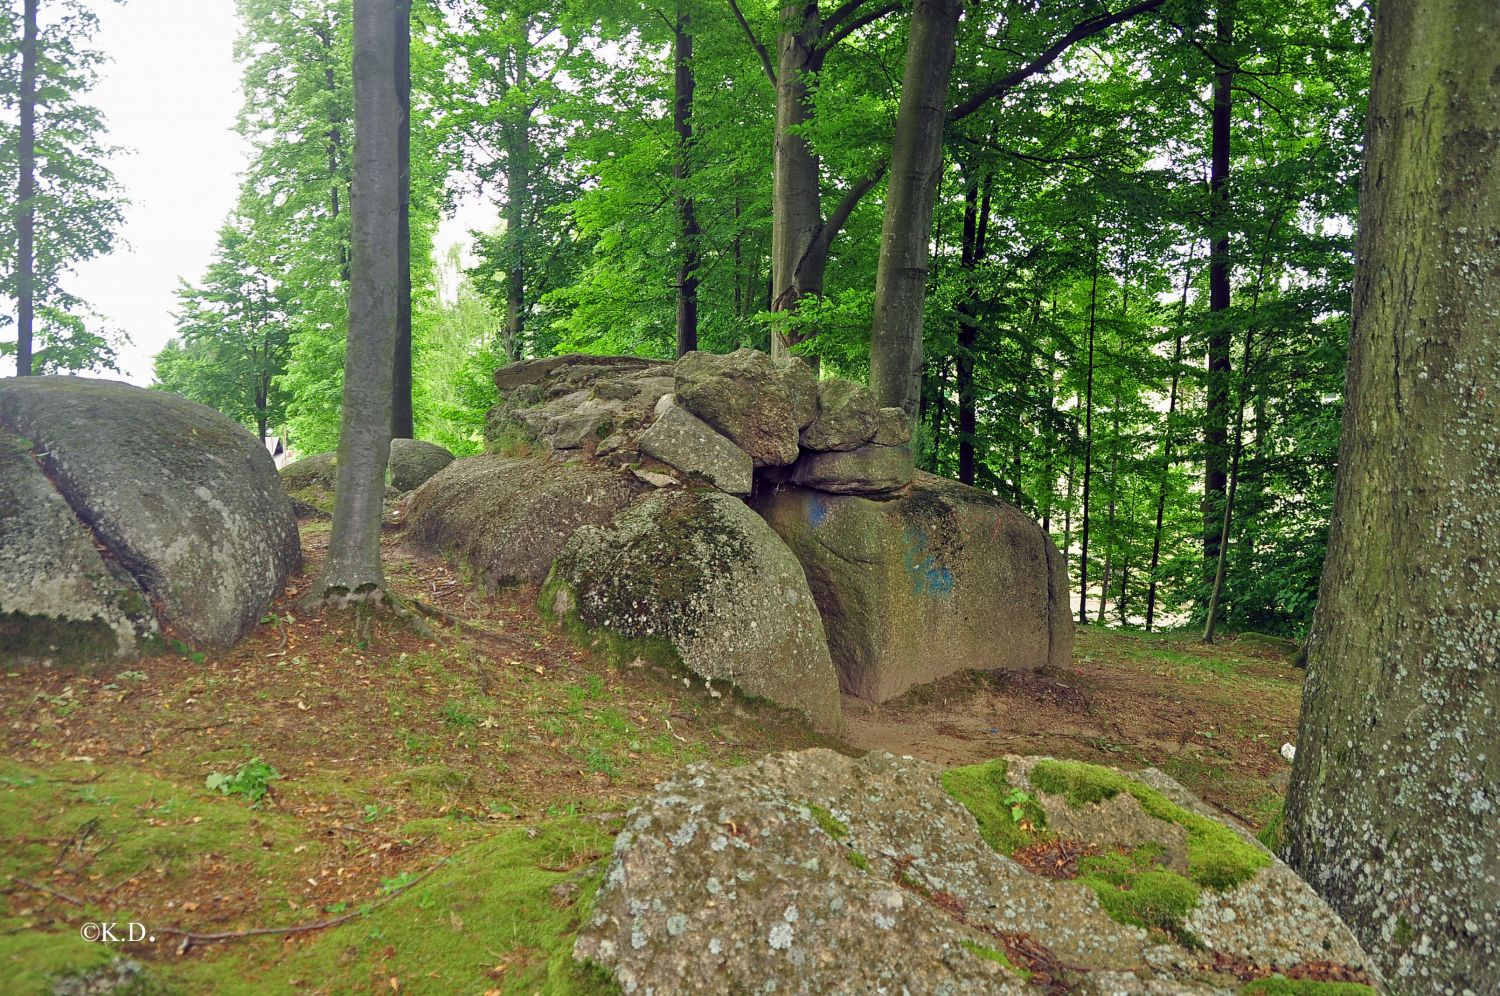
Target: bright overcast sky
[170,93]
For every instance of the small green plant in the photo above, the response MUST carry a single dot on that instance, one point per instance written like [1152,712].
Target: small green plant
[252,781]
[197,657]
[393,885]
[454,715]
[1019,801]
[131,676]
[375,811]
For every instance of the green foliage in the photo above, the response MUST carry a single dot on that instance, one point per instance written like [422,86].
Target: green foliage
[78,205]
[1007,820]
[252,780]
[830,824]
[1217,857]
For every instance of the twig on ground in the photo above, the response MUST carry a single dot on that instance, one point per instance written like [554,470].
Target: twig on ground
[189,938]
[39,887]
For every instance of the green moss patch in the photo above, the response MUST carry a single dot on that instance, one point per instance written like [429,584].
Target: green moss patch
[1280,985]
[1133,889]
[1218,858]
[501,914]
[1008,818]
[31,961]
[830,824]
[994,955]
[857,860]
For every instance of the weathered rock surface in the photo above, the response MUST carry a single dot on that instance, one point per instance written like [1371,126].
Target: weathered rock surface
[750,398]
[845,419]
[915,588]
[687,443]
[892,427]
[507,518]
[699,578]
[413,461]
[320,470]
[811,872]
[60,601]
[869,470]
[185,500]
[575,406]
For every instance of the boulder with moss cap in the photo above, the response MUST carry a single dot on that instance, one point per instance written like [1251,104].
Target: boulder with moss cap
[813,872]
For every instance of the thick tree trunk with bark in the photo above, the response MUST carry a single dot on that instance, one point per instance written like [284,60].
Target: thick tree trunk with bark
[1216,415]
[403,424]
[687,215]
[352,570]
[797,212]
[25,192]
[1394,809]
[905,238]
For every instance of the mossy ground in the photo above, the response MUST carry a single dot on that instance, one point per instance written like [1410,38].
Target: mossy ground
[503,759]
[500,760]
[1278,985]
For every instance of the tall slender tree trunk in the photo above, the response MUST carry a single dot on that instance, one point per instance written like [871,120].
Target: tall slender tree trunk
[1168,441]
[972,253]
[1109,522]
[687,217]
[797,213]
[1216,416]
[335,146]
[1068,505]
[1395,789]
[517,184]
[25,194]
[1088,444]
[352,570]
[1221,560]
[403,423]
[905,238]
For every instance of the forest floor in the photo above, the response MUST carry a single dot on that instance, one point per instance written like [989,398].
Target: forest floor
[449,803]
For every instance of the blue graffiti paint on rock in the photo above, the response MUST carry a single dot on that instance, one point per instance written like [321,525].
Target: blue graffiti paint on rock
[928,577]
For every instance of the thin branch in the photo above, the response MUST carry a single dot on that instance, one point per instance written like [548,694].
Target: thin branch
[48,890]
[760,50]
[189,938]
[1083,29]
[826,232]
[838,33]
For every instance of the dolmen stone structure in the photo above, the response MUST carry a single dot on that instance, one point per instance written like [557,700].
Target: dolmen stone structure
[124,511]
[738,516]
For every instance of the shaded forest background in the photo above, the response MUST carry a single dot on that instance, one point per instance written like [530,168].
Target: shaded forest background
[1122,327]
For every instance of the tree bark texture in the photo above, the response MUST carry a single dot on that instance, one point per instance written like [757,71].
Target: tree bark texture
[1216,415]
[797,213]
[1394,808]
[905,238]
[972,253]
[25,194]
[403,422]
[353,565]
[1088,446]
[687,215]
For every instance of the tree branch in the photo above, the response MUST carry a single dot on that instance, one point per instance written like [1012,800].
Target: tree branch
[1083,29]
[840,216]
[760,50]
[833,33]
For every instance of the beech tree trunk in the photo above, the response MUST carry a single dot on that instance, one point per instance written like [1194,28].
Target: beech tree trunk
[352,570]
[905,237]
[403,423]
[1216,416]
[25,193]
[1393,814]
[797,212]
[687,216]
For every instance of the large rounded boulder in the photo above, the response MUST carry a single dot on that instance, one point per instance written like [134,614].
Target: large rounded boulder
[697,577]
[812,872]
[917,587]
[175,497]
[413,461]
[507,518]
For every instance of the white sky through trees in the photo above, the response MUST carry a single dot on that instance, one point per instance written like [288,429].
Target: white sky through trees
[170,93]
